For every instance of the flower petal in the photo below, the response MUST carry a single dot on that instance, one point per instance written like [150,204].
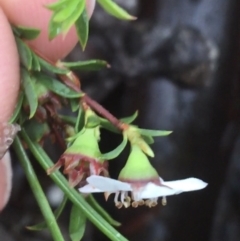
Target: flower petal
[152,190]
[107,184]
[89,189]
[186,185]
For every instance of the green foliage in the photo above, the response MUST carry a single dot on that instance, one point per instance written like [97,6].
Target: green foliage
[26,33]
[36,130]
[24,53]
[51,68]
[89,65]
[65,14]
[82,27]
[77,224]
[56,86]
[113,9]
[29,90]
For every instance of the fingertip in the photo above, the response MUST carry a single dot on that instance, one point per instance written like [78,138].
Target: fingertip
[9,70]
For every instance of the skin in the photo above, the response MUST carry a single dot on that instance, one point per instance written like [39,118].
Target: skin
[32,14]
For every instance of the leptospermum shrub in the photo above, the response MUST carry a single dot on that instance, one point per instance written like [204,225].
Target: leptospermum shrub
[82,169]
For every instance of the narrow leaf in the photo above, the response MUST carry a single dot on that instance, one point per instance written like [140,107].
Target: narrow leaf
[93,121]
[64,13]
[68,119]
[148,139]
[56,86]
[130,119]
[35,63]
[27,33]
[36,130]
[82,27]
[69,22]
[30,94]
[57,213]
[77,223]
[90,65]
[51,68]
[116,152]
[108,126]
[17,109]
[54,28]
[79,118]
[113,9]
[25,53]
[146,132]
[74,103]
[57,5]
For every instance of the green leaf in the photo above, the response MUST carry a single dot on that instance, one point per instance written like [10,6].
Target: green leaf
[113,9]
[35,63]
[56,86]
[25,53]
[57,5]
[27,33]
[55,28]
[74,103]
[68,119]
[36,130]
[108,125]
[148,139]
[66,12]
[69,22]
[92,201]
[130,119]
[82,27]
[92,121]
[51,68]
[57,213]
[146,132]
[17,109]
[77,223]
[29,91]
[116,152]
[80,119]
[89,65]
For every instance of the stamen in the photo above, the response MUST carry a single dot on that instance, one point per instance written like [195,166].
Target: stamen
[125,199]
[116,197]
[164,201]
[151,202]
[135,204]
[117,203]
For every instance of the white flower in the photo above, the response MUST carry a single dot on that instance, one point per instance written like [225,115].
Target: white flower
[141,193]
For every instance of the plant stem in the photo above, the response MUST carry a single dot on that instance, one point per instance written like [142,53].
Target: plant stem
[37,191]
[103,112]
[71,193]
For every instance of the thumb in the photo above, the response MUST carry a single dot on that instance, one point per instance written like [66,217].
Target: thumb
[9,86]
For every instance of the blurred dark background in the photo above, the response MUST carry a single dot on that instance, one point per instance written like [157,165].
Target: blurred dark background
[178,64]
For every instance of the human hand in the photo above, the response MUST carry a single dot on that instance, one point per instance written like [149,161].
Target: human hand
[30,14]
